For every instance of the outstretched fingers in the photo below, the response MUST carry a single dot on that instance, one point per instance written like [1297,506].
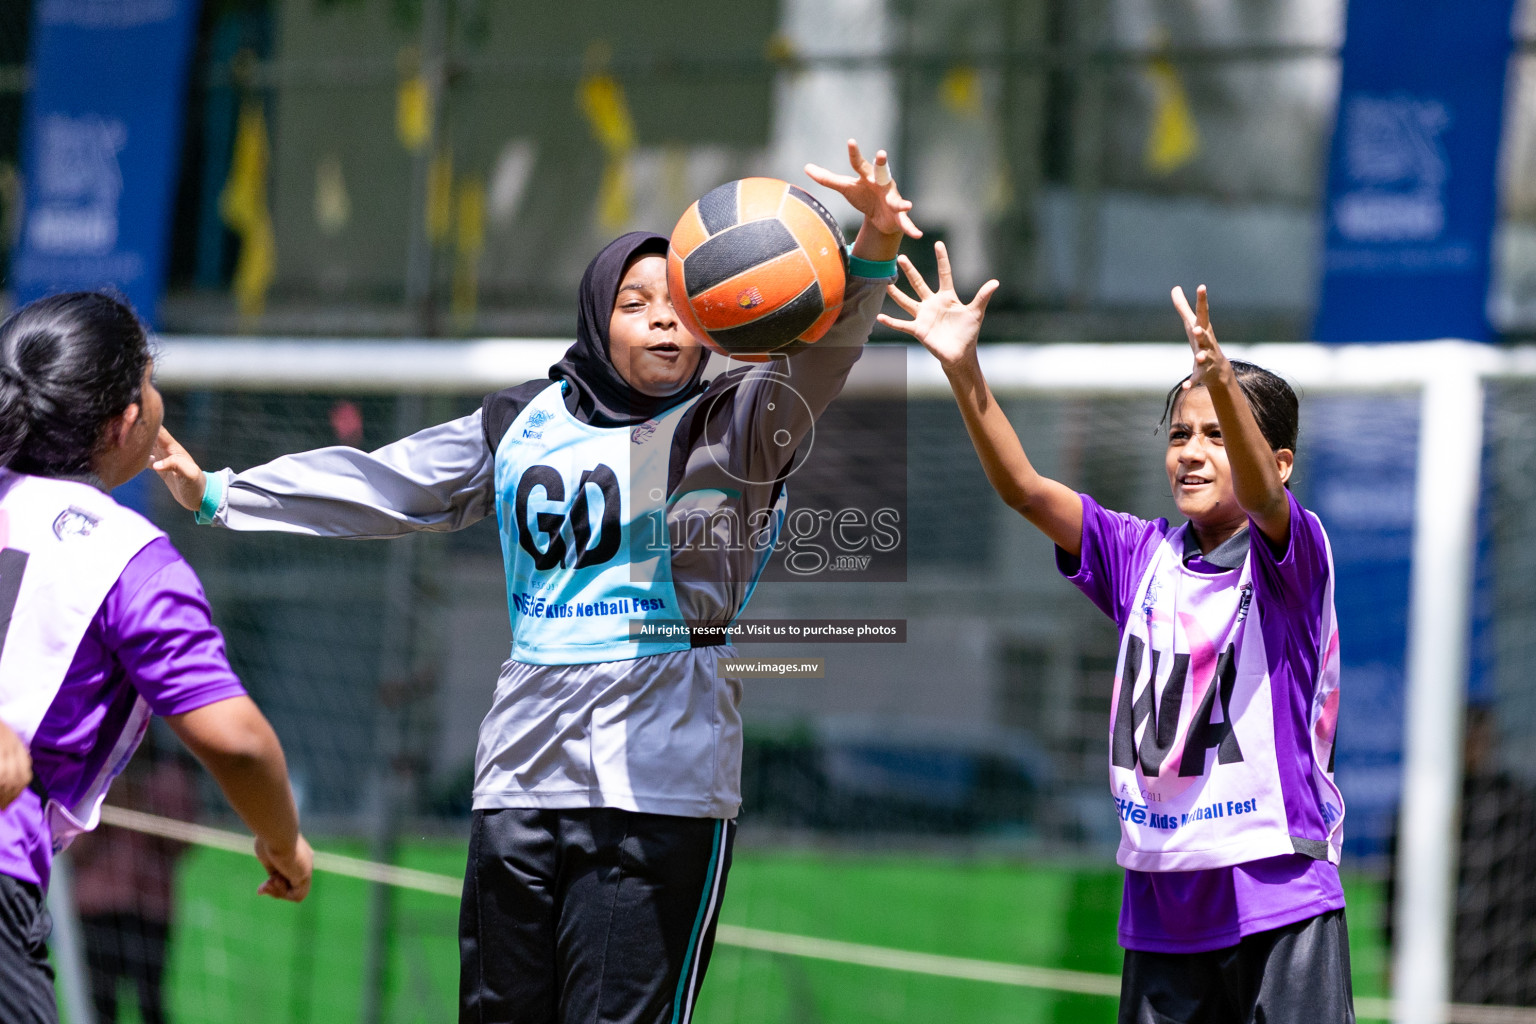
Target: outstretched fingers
[907,303]
[828,179]
[862,167]
[882,179]
[1193,332]
[907,327]
[984,294]
[1197,328]
[1181,303]
[945,325]
[913,277]
[1198,318]
[1203,313]
[946,275]
[871,190]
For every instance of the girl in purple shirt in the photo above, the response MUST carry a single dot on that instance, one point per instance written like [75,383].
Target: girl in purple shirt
[1226,687]
[102,623]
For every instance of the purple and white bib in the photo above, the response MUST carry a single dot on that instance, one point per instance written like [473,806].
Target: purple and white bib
[1193,764]
[63,544]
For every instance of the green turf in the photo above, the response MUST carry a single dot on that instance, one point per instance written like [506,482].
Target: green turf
[237,959]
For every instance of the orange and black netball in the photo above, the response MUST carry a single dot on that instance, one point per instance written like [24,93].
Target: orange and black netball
[756,265]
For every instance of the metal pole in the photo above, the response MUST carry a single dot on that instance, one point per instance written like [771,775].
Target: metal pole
[390,786]
[906,87]
[68,945]
[1440,595]
[1090,26]
[1013,238]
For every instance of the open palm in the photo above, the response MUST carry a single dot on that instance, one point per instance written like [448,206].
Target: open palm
[946,326]
[870,190]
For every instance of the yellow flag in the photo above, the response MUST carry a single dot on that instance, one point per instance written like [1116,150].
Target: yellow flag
[960,91]
[468,243]
[1174,139]
[440,197]
[601,99]
[243,205]
[413,101]
[412,122]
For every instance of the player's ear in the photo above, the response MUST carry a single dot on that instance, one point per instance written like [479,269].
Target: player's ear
[117,428]
[1285,462]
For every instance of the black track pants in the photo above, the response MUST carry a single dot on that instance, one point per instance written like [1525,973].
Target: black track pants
[1298,974]
[594,916]
[26,979]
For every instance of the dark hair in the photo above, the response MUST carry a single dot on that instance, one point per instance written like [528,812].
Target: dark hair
[68,364]
[1274,404]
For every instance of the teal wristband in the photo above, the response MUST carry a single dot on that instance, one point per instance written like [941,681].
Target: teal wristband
[871,268]
[213,497]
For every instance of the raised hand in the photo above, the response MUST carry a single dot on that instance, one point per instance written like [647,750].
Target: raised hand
[946,326]
[15,766]
[1210,362]
[871,191]
[178,471]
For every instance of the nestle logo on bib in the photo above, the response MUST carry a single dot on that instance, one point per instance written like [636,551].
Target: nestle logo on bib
[536,420]
[643,433]
[74,522]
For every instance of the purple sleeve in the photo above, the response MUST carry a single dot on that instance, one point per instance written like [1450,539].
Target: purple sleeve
[1295,576]
[156,621]
[1116,551]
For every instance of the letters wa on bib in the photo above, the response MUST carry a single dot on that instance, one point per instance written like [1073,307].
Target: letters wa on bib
[1224,707]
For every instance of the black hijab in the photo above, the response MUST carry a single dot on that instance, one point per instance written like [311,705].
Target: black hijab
[598,394]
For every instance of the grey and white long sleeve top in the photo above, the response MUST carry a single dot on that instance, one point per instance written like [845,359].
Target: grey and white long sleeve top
[660,733]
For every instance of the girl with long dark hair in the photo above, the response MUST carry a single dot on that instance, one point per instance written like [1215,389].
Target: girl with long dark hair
[1226,689]
[102,624]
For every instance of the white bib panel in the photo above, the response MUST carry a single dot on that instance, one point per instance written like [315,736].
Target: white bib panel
[1193,766]
[63,544]
[583,518]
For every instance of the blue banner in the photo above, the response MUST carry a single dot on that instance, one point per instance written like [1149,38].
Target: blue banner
[1413,172]
[1360,463]
[101,145]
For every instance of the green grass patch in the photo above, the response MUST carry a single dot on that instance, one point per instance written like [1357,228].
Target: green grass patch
[239,959]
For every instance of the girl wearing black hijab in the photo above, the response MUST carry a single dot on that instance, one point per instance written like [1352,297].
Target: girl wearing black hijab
[607,779]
